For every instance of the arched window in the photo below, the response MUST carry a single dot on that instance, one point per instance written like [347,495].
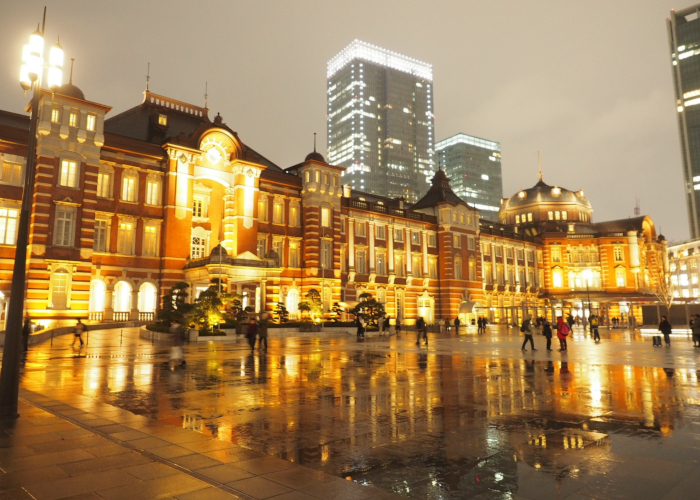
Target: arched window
[557,278]
[200,243]
[121,298]
[130,185]
[97,296]
[293,303]
[147,298]
[620,276]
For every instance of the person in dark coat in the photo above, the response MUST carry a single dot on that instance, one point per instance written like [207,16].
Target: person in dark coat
[457,323]
[252,333]
[422,330]
[526,328]
[360,322]
[262,331]
[547,332]
[695,327]
[665,328]
[25,334]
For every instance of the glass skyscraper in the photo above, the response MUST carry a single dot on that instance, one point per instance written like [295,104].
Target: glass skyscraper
[380,121]
[473,166]
[684,40]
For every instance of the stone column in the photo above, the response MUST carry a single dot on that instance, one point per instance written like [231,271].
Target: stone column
[370,239]
[494,264]
[134,315]
[108,314]
[390,247]
[263,295]
[351,244]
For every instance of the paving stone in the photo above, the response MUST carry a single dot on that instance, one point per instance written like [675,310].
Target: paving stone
[174,485]
[258,487]
[151,470]
[195,461]
[224,473]
[265,465]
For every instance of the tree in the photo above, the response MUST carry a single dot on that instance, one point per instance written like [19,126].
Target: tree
[175,307]
[663,289]
[312,305]
[281,313]
[368,308]
[207,309]
[336,311]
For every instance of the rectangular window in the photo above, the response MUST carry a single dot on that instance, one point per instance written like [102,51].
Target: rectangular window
[556,254]
[399,266]
[432,240]
[472,270]
[69,174]
[432,269]
[55,115]
[517,219]
[64,227]
[8,226]
[471,243]
[162,120]
[11,173]
[294,216]
[90,123]
[73,119]
[101,232]
[125,238]
[550,215]
[488,274]
[278,212]
[509,252]
[381,232]
[499,251]
[381,264]
[530,256]
[152,192]
[326,255]
[277,246]
[104,185]
[486,248]
[415,238]
[617,252]
[150,240]
[564,215]
[128,188]
[457,241]
[198,207]
[416,266]
[461,218]
[557,215]
[360,262]
[326,218]
[360,228]
[262,247]
[520,254]
[262,208]
[398,234]
[198,247]
[294,252]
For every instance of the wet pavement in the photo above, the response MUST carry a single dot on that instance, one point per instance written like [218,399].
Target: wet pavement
[469,416]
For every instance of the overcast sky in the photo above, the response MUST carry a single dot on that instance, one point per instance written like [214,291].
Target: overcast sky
[587,83]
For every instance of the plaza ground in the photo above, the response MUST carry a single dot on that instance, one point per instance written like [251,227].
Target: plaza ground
[469,416]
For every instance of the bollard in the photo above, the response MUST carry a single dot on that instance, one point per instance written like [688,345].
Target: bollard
[52,337]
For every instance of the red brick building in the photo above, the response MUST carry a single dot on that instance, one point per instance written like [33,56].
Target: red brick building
[127,206]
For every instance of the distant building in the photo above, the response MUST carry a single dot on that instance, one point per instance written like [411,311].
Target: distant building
[380,121]
[684,40]
[474,168]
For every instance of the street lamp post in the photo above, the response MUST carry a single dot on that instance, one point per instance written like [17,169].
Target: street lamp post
[30,77]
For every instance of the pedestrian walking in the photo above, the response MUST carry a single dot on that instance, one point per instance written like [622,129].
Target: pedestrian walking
[252,333]
[422,331]
[695,327]
[457,323]
[262,331]
[563,331]
[78,333]
[570,321]
[665,328]
[360,322]
[398,325]
[448,324]
[594,322]
[26,330]
[380,325]
[547,332]
[526,328]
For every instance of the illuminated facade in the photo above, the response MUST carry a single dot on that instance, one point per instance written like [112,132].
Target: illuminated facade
[125,207]
[684,41]
[684,259]
[380,121]
[474,167]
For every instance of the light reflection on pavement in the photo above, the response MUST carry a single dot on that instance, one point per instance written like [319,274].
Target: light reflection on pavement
[469,416]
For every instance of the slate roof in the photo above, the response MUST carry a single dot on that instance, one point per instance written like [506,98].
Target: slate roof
[439,193]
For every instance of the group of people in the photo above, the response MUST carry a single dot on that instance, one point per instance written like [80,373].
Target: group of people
[563,330]
[481,323]
[257,329]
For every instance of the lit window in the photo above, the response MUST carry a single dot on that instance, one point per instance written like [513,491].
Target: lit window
[399,266]
[550,215]
[620,276]
[326,220]
[432,240]
[556,254]
[432,269]
[262,246]
[152,192]
[416,267]
[198,247]
[104,185]
[471,243]
[129,187]
[461,219]
[499,251]
[294,216]
[381,264]
[360,228]
[90,123]
[278,212]
[101,234]
[557,215]
[65,218]
[8,226]
[262,208]
[564,215]
[398,235]
[617,252]
[381,232]
[457,241]
[415,238]
[683,280]
[125,238]
[517,219]
[55,115]
[458,268]
[557,278]
[360,262]
[326,255]
[529,217]
[294,253]
[73,119]
[68,176]
[150,240]
[162,120]
[11,173]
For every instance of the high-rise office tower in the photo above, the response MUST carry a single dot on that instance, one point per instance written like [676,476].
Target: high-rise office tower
[684,40]
[380,121]
[473,166]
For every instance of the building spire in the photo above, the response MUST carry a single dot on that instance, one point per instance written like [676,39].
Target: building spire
[72,60]
[539,165]
[637,208]
[206,95]
[148,76]
[314,142]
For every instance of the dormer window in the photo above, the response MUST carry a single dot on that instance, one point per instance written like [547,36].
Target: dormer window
[73,119]
[55,115]
[90,123]
[163,120]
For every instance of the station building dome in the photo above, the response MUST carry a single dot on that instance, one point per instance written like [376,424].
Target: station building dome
[542,203]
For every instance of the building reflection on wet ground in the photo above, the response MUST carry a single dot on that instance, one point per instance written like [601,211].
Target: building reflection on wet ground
[445,422]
